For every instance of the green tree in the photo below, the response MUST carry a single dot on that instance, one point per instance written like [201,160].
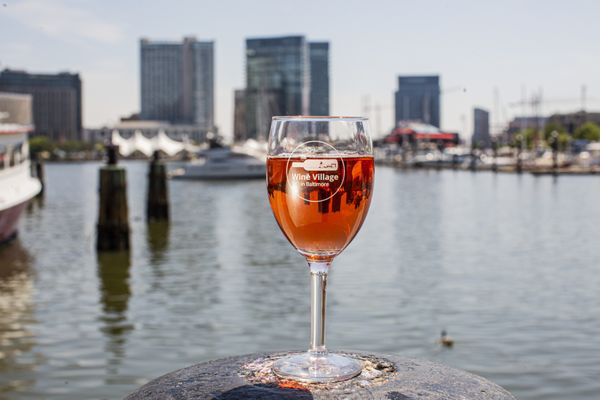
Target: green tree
[563,140]
[588,131]
[37,144]
[76,145]
[528,134]
[551,127]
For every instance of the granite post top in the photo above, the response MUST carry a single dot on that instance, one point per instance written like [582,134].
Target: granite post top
[388,377]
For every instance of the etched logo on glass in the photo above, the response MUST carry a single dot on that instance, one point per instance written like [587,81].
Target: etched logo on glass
[315,179]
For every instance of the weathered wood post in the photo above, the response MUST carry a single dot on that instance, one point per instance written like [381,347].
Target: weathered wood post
[554,142]
[157,202]
[473,161]
[495,154]
[39,173]
[520,139]
[405,150]
[113,215]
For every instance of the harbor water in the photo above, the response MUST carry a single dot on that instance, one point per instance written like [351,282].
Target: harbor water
[508,264]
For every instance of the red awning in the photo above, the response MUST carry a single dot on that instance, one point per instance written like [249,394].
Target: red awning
[436,136]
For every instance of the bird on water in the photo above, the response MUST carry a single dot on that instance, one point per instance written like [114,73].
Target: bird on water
[446,340]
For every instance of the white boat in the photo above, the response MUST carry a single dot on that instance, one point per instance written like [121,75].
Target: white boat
[220,162]
[17,186]
[487,160]
[435,158]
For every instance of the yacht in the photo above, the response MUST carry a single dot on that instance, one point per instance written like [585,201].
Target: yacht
[220,162]
[17,186]
[450,157]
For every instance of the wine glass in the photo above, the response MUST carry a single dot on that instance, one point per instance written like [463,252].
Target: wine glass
[320,182]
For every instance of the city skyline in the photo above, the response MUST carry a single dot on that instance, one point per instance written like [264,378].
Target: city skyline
[475,46]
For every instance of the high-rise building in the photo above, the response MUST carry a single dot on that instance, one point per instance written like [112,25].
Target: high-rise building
[16,108]
[56,101]
[418,99]
[277,81]
[284,76]
[319,78]
[177,82]
[481,128]
[239,115]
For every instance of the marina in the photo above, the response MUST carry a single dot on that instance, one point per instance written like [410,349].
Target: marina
[514,286]
[460,158]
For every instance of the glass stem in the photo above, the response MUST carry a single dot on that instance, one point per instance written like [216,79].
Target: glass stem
[318,289]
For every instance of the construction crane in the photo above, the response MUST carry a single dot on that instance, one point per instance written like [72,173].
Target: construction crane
[536,101]
[453,89]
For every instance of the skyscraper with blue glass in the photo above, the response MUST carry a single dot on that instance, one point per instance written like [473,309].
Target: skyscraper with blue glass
[319,78]
[177,82]
[284,76]
[418,99]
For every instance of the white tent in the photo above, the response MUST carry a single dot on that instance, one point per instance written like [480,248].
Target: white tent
[166,144]
[161,142]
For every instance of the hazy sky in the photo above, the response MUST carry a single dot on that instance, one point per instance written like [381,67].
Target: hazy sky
[479,45]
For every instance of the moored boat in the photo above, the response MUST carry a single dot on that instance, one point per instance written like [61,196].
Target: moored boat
[17,186]
[220,162]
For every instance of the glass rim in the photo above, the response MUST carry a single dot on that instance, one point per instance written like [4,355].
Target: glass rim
[318,118]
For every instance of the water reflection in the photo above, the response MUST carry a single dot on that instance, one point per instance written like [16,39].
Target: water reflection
[274,289]
[157,235]
[113,271]
[35,204]
[16,315]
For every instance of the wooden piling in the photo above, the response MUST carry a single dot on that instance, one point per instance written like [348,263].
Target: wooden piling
[473,161]
[495,153]
[157,201]
[521,142]
[554,143]
[39,173]
[113,214]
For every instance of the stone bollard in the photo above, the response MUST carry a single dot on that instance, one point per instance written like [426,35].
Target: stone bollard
[113,215]
[157,202]
[383,377]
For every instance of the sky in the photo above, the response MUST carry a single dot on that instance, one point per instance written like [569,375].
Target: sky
[488,54]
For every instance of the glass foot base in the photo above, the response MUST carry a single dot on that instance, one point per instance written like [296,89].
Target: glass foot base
[307,367]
